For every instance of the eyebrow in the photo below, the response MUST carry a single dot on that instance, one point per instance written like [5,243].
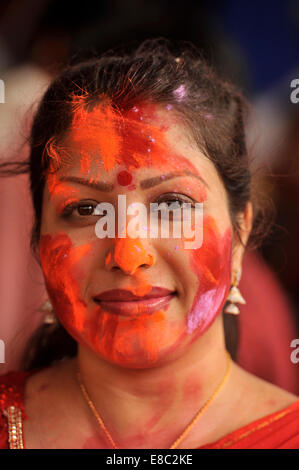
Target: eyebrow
[144,184]
[150,182]
[99,185]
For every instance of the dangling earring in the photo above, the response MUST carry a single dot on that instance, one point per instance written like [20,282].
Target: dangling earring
[49,317]
[235,296]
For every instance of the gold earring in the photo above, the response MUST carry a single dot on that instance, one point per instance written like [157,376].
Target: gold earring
[49,317]
[235,296]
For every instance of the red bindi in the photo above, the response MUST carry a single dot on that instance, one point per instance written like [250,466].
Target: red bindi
[124,178]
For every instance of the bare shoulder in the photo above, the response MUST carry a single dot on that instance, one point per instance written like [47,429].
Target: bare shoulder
[47,380]
[47,399]
[248,398]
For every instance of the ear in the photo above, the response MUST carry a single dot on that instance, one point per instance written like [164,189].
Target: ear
[245,223]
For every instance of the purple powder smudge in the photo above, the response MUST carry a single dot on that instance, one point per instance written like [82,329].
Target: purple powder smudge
[180,92]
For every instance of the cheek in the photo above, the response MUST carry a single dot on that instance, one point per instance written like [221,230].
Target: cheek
[62,268]
[212,266]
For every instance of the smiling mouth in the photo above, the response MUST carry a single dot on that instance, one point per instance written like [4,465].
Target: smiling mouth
[123,302]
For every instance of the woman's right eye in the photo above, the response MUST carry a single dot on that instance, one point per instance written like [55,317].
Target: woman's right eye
[79,209]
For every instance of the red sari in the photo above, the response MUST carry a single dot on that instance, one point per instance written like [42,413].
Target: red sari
[279,430]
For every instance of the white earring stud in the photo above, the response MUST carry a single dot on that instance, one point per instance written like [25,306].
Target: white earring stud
[235,296]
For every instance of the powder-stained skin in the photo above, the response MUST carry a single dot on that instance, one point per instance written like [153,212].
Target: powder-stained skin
[107,142]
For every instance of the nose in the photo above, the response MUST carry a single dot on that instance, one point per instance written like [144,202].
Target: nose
[129,254]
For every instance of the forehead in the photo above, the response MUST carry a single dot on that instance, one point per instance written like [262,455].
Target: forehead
[102,141]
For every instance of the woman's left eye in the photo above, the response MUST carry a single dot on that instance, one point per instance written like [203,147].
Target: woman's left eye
[173,197]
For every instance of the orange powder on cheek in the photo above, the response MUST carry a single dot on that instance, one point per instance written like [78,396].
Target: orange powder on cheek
[59,259]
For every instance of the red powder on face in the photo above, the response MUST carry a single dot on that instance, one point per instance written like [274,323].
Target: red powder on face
[212,265]
[139,340]
[109,138]
[135,341]
[124,178]
[59,189]
[108,258]
[59,258]
[102,136]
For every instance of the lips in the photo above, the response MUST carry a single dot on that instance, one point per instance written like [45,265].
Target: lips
[124,302]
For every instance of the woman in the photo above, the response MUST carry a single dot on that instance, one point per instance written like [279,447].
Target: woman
[139,315]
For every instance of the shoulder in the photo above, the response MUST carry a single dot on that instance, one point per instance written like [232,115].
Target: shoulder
[258,415]
[278,430]
[258,396]
[46,380]
[268,416]
[49,401]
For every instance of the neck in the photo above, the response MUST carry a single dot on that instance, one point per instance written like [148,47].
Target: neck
[151,407]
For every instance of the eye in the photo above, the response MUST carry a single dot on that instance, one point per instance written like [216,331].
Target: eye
[80,209]
[181,199]
[175,204]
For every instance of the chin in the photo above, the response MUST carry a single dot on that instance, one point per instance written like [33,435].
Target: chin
[141,358]
[139,363]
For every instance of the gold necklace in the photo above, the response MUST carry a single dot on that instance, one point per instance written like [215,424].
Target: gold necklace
[186,430]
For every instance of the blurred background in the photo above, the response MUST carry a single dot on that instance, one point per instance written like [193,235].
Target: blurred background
[256,45]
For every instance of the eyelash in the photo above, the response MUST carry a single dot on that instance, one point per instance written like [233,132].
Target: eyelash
[173,197]
[69,209]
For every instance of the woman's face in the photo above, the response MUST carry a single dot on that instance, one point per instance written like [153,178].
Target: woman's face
[147,156]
